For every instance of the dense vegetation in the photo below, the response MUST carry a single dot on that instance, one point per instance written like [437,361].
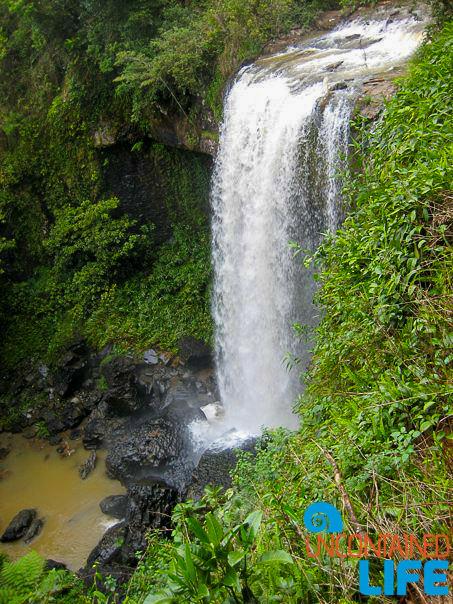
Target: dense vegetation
[375,435]
[73,259]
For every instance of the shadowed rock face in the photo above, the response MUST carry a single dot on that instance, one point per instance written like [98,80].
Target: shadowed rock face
[108,550]
[34,530]
[149,507]
[88,466]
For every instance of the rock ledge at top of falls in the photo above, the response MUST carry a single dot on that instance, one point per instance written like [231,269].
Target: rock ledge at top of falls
[201,134]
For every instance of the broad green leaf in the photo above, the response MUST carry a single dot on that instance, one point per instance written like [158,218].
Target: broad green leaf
[235,557]
[277,555]
[197,529]
[159,599]
[191,572]
[231,579]
[253,520]
[214,528]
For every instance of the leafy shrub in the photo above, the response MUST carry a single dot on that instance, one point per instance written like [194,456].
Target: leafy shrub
[91,250]
[169,302]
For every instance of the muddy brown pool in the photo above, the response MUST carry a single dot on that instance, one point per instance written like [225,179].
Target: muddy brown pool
[34,475]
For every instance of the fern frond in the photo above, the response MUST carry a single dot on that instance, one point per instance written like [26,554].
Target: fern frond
[9,596]
[23,574]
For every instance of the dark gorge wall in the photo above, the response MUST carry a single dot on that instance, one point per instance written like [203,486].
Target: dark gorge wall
[157,184]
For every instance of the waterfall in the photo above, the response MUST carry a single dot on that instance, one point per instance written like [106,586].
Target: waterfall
[283,144]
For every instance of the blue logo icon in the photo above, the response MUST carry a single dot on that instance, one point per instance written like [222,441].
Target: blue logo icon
[322,516]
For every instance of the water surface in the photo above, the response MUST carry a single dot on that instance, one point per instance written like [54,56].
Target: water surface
[34,475]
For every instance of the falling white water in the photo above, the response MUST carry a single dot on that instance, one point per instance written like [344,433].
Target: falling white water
[284,141]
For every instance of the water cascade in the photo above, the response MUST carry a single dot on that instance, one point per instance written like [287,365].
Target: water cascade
[283,143]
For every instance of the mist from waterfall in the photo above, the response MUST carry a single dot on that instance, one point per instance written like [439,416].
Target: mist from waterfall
[283,144]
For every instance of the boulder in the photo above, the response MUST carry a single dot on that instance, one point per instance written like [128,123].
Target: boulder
[19,525]
[143,448]
[88,466]
[108,550]
[147,507]
[126,393]
[34,530]
[115,506]
[54,565]
[94,433]
[215,466]
[186,395]
[67,415]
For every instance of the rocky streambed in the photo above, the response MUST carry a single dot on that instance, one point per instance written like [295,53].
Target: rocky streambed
[110,439]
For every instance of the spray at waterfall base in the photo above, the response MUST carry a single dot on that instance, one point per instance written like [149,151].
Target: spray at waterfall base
[323,516]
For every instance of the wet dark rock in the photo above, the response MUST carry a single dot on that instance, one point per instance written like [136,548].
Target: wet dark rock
[114,505]
[146,507]
[94,433]
[69,414]
[215,466]
[34,530]
[75,434]
[186,394]
[126,393]
[108,550]
[88,466]
[194,353]
[149,507]
[54,565]
[143,448]
[19,525]
[4,452]
[55,440]
[184,413]
[73,370]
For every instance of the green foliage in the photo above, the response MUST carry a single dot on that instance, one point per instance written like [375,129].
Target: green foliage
[26,582]
[164,305]
[91,250]
[381,364]
[71,69]
[201,38]
[213,561]
[376,412]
